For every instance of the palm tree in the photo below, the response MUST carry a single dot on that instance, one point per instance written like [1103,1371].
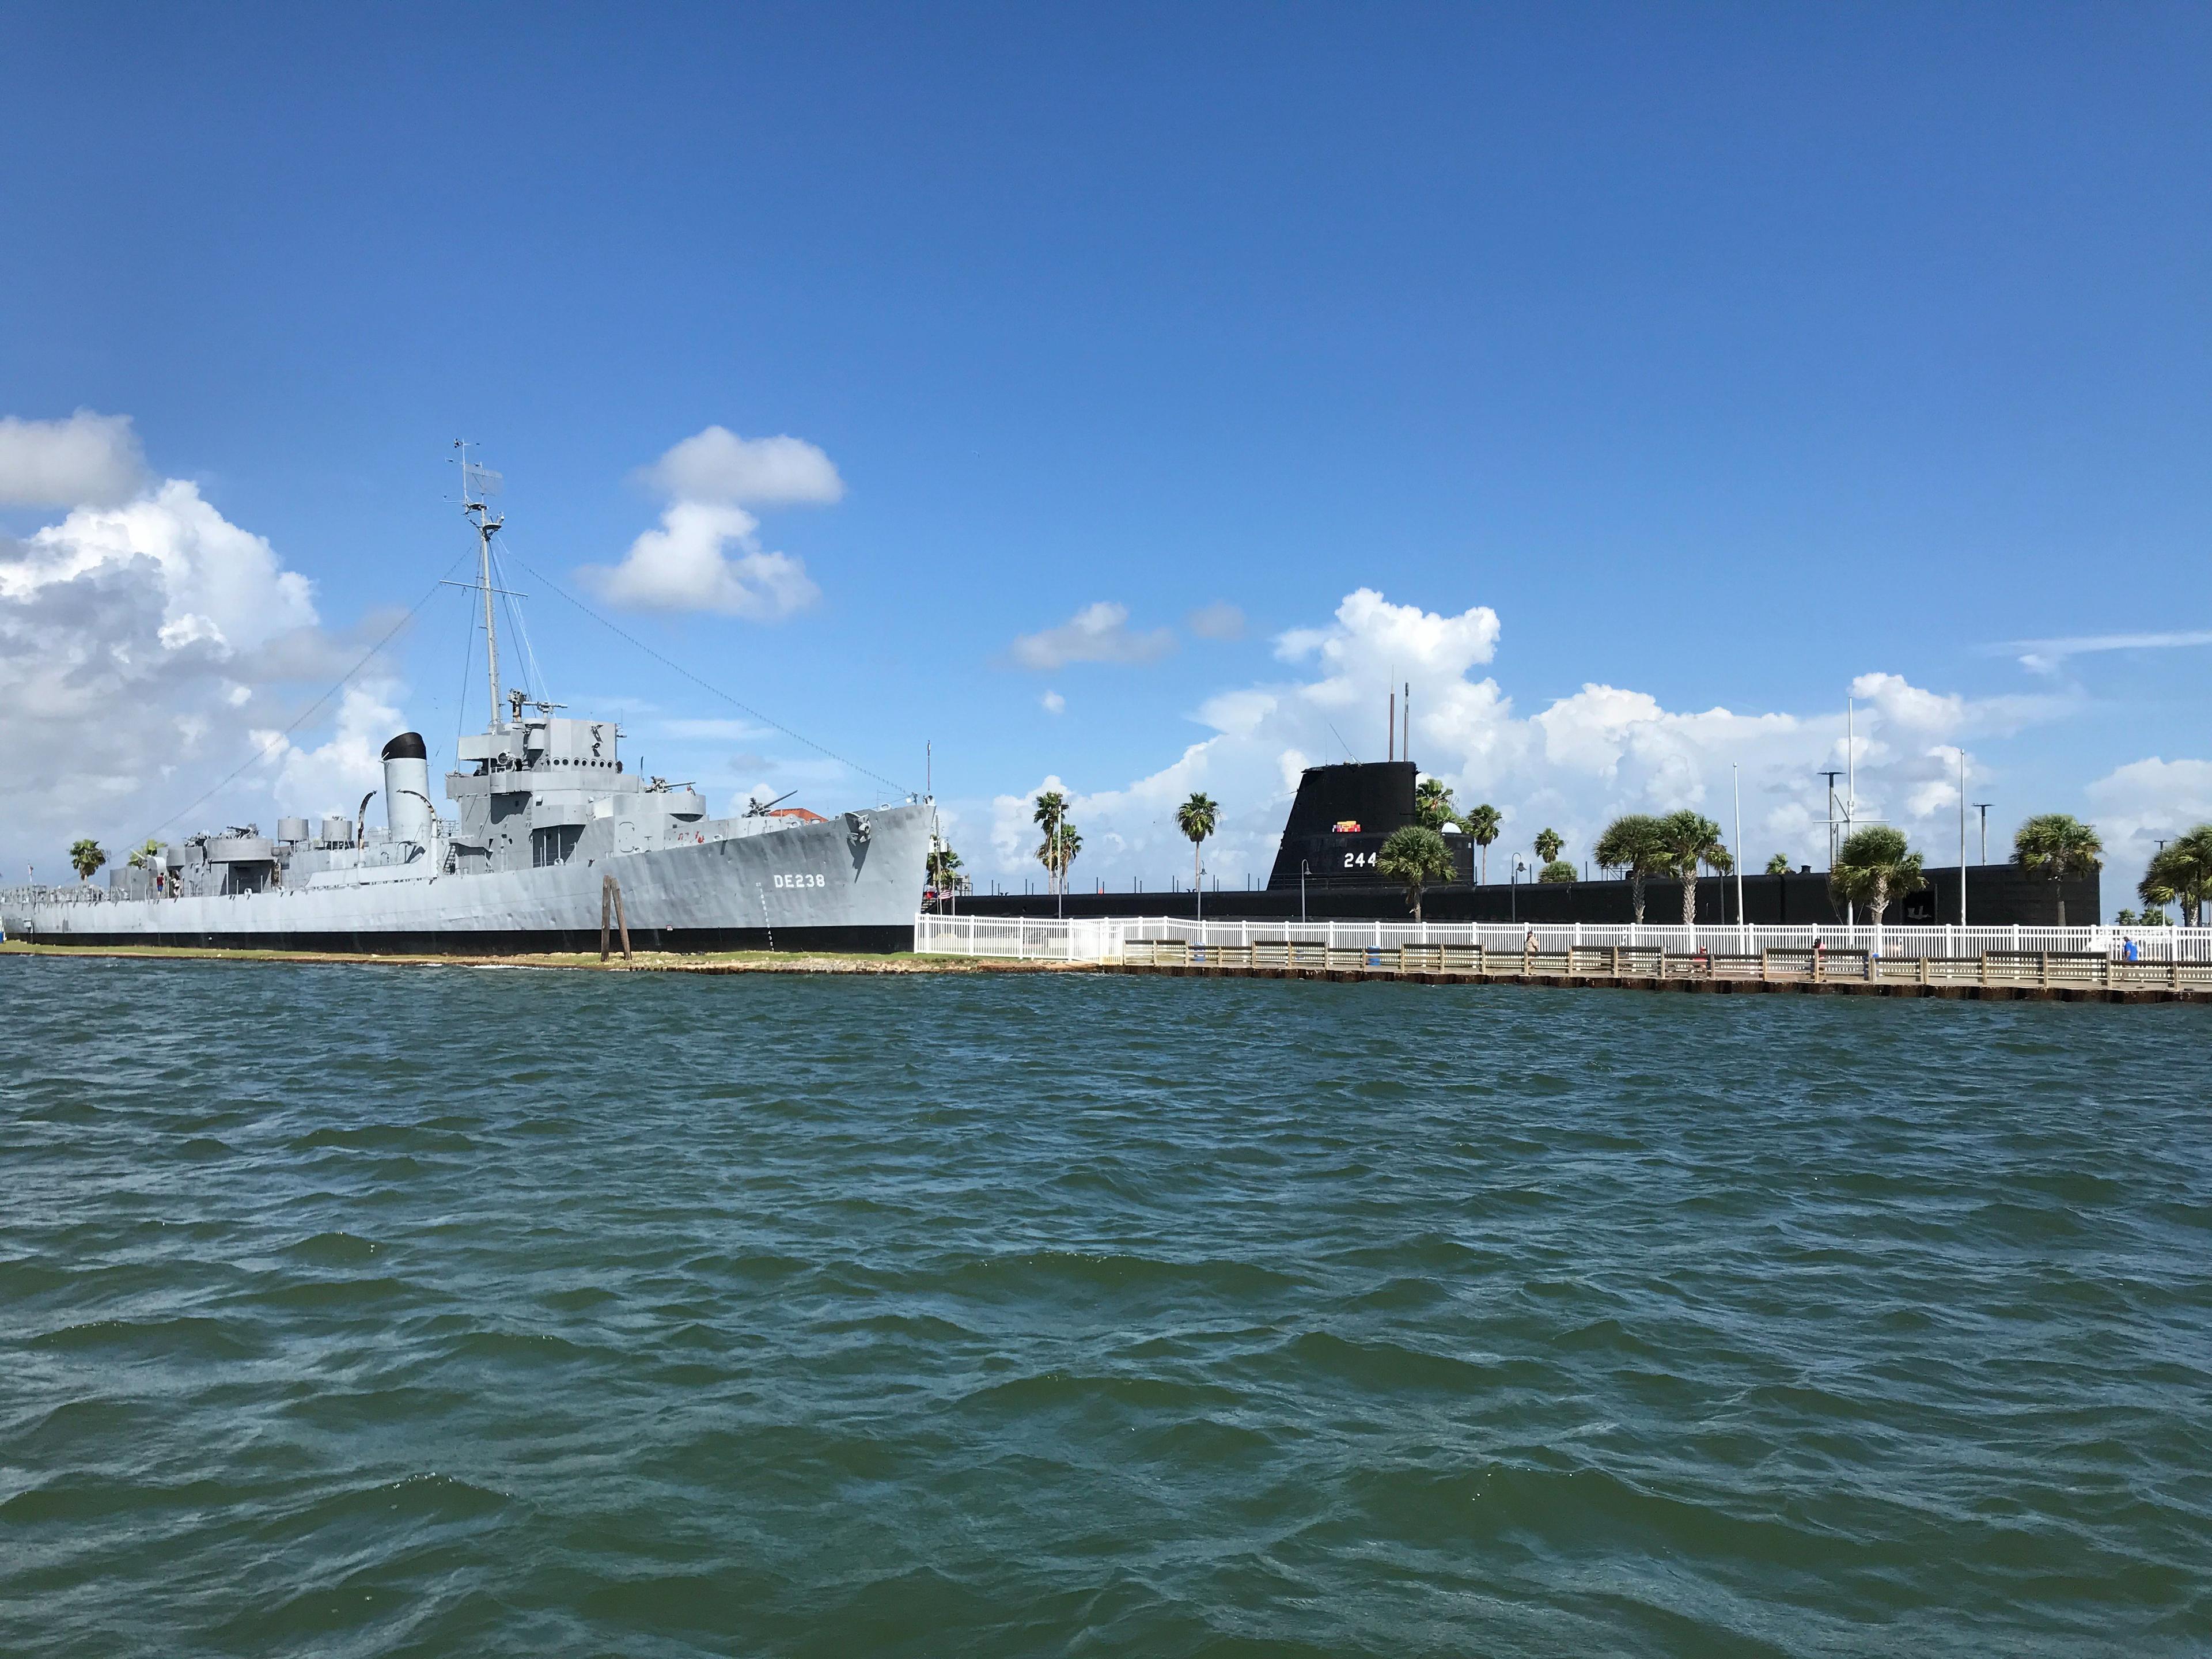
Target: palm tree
[2058,847]
[86,857]
[1557,871]
[139,855]
[1432,803]
[1779,865]
[1690,839]
[1631,842]
[945,867]
[1873,868]
[1051,809]
[1060,845]
[1196,818]
[1484,823]
[1548,844]
[2181,873]
[1414,857]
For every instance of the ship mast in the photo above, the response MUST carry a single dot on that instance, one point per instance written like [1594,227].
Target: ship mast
[477,482]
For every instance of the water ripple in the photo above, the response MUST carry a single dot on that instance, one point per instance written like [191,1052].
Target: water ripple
[428,1312]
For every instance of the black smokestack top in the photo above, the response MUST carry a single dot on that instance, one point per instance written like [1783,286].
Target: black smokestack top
[408,746]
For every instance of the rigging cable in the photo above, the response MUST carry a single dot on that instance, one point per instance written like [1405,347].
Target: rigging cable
[514,616]
[468,663]
[714,690]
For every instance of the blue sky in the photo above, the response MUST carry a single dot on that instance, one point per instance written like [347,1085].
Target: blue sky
[1726,355]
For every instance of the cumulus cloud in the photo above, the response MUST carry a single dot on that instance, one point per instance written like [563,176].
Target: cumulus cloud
[705,557]
[1218,621]
[1053,703]
[1571,764]
[87,459]
[141,646]
[1370,633]
[707,554]
[1098,633]
[218,583]
[332,776]
[2147,801]
[718,465]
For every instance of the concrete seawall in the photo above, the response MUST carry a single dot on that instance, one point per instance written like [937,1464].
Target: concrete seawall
[2001,992]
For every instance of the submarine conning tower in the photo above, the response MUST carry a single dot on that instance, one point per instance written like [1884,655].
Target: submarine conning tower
[1372,797]
[407,788]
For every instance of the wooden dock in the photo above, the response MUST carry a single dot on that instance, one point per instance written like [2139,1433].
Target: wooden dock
[1995,976]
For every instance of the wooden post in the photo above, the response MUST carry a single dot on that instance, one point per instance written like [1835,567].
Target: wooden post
[621,923]
[606,911]
[2043,975]
[1765,971]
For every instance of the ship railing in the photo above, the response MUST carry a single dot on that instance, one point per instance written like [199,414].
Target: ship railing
[22,898]
[1864,950]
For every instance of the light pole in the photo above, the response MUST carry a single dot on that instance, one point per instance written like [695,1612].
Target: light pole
[1850,793]
[1735,780]
[1831,777]
[1962,837]
[1983,807]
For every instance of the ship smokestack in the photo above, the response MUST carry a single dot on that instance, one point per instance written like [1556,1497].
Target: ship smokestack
[407,788]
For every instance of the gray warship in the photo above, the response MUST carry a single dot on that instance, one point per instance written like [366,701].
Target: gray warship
[544,811]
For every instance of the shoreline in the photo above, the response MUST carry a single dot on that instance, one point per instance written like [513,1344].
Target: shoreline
[908,962]
[735,962]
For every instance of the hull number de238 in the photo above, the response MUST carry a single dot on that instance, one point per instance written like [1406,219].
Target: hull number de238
[802,881]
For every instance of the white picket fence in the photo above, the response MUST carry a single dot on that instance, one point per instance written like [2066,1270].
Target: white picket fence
[1106,940]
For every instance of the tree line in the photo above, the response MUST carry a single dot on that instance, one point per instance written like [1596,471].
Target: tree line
[1874,868]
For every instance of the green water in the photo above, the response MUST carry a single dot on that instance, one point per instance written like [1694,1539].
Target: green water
[353,1311]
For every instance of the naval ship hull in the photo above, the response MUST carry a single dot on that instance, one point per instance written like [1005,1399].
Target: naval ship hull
[806,887]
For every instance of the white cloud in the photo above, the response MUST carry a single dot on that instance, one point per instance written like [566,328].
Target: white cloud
[86,460]
[707,555]
[220,584]
[1053,703]
[1098,633]
[718,465]
[2138,806]
[333,776]
[2045,656]
[1572,765]
[1370,635]
[141,645]
[1218,621]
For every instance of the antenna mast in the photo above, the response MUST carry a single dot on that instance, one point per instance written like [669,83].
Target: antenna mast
[476,483]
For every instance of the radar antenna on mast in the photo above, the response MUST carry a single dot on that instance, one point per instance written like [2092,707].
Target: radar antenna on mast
[478,483]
